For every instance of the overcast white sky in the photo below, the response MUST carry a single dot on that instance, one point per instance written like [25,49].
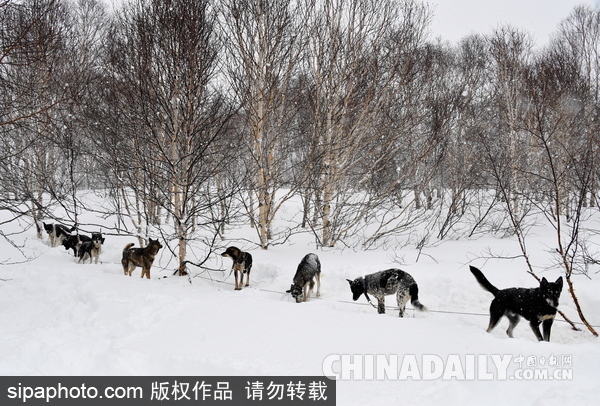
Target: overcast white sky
[455,19]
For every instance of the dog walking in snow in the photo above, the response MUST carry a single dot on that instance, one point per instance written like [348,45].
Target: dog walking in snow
[303,283]
[388,282]
[537,305]
[142,257]
[242,264]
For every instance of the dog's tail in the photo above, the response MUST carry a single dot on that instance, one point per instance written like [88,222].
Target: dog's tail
[483,281]
[413,291]
[128,246]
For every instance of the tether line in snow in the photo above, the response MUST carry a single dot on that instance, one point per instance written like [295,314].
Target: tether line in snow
[367,304]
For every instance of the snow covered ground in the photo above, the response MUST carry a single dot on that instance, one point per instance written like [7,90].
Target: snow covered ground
[58,317]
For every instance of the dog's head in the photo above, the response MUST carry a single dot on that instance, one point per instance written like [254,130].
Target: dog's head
[154,245]
[232,252]
[48,227]
[357,286]
[97,237]
[70,241]
[296,291]
[551,290]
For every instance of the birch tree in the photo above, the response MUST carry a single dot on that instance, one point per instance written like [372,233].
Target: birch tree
[32,49]
[510,51]
[266,38]
[561,135]
[360,54]
[165,65]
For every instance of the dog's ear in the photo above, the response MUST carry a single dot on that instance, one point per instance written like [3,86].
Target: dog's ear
[559,281]
[544,281]
[349,281]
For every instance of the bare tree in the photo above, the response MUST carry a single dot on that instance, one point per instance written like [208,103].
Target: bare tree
[361,55]
[33,48]
[579,36]
[164,64]
[562,140]
[265,43]
[510,51]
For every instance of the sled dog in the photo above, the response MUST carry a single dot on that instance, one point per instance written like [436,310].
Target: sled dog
[537,305]
[242,264]
[303,282]
[142,257]
[388,282]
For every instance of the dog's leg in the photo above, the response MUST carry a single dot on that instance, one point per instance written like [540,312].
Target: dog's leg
[311,286]
[513,320]
[535,326]
[247,277]
[318,284]
[146,271]
[546,327]
[402,298]
[496,313]
[305,292]
[381,305]
[238,285]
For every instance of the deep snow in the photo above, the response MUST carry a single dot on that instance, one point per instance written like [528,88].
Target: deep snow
[58,317]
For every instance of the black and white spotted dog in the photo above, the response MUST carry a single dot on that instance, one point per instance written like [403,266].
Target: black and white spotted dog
[242,264]
[57,233]
[388,282]
[91,249]
[303,283]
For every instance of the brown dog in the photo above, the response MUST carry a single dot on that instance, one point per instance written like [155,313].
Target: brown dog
[142,257]
[242,264]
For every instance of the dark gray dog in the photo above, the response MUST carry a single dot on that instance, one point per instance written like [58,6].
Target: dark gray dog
[388,282]
[303,284]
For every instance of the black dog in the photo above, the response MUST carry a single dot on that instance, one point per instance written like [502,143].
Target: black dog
[73,241]
[538,305]
[242,264]
[303,283]
[57,233]
[381,284]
